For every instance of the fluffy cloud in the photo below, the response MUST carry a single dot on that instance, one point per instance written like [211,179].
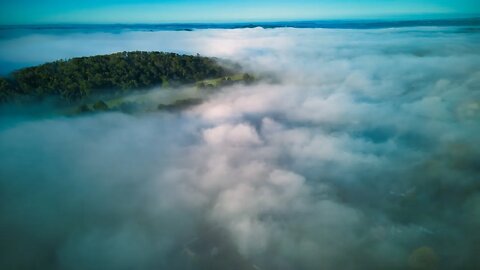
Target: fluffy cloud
[362,152]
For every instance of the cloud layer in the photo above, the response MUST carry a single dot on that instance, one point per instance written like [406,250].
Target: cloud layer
[362,153]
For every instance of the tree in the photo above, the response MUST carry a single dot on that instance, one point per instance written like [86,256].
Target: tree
[100,106]
[247,78]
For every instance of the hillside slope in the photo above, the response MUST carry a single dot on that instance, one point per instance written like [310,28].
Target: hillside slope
[80,78]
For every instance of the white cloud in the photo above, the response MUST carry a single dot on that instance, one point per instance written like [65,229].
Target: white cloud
[361,150]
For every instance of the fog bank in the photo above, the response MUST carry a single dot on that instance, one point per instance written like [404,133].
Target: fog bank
[363,153]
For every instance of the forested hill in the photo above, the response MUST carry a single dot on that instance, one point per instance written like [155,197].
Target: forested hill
[75,79]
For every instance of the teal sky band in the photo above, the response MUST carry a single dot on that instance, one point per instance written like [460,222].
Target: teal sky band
[150,11]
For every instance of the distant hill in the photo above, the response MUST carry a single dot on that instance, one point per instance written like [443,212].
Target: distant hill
[80,78]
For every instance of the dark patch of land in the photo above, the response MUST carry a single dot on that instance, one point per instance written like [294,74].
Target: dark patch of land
[78,78]
[101,82]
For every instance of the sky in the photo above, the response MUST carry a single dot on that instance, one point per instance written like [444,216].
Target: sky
[151,11]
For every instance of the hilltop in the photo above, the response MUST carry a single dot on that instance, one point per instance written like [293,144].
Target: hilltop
[77,79]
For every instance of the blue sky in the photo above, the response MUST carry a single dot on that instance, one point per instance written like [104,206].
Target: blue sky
[150,11]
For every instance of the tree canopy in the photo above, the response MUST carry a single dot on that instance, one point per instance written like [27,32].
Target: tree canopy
[78,78]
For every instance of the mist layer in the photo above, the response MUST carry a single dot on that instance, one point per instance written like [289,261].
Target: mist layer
[361,152]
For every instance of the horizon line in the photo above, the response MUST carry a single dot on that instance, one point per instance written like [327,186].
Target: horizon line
[474,18]
[392,18]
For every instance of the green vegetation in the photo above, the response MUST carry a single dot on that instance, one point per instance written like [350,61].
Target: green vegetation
[225,81]
[142,101]
[6,90]
[81,78]
[115,82]
[100,106]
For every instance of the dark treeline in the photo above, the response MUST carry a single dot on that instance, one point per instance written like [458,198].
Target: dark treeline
[78,78]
